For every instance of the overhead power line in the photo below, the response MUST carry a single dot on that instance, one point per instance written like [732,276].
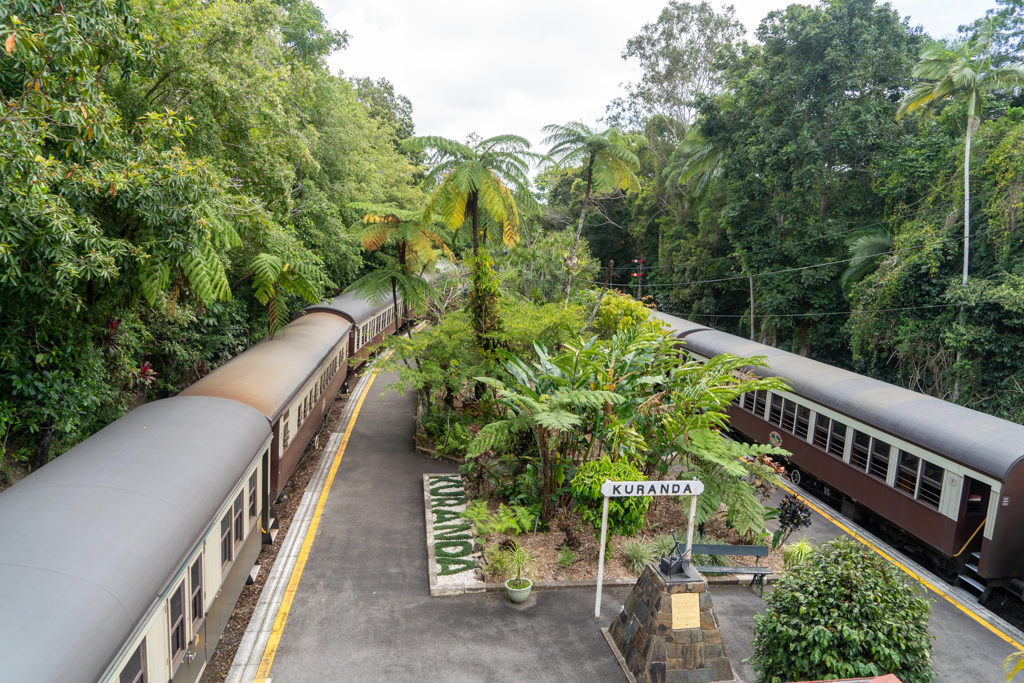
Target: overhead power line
[782,271]
[815,314]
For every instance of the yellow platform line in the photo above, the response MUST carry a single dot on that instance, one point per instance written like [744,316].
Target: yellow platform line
[300,563]
[949,598]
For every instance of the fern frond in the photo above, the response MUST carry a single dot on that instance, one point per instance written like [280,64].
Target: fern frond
[154,278]
[492,434]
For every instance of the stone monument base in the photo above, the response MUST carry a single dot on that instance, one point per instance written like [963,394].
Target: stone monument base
[667,632]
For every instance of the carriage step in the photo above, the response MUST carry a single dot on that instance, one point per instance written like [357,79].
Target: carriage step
[974,585]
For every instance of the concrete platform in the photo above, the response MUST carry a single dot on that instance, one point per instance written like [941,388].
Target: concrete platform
[360,608]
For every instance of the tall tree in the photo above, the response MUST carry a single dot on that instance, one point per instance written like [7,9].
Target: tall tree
[812,106]
[677,55]
[489,174]
[607,164]
[962,71]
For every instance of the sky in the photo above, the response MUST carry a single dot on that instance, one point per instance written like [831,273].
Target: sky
[492,67]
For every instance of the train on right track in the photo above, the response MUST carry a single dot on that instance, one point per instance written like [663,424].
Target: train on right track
[944,480]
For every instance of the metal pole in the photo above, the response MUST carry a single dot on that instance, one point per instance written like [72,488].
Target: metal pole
[689,530]
[600,560]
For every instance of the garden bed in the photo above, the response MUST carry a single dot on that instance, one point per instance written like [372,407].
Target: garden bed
[566,554]
[664,515]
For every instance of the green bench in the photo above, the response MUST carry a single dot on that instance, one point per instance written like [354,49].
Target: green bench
[757,551]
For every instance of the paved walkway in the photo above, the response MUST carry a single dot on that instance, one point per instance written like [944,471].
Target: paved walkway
[362,612]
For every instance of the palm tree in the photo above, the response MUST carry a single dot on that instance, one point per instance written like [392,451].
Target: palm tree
[694,162]
[417,246]
[962,71]
[866,249]
[491,174]
[607,162]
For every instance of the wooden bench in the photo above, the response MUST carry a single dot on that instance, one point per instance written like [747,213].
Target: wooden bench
[758,551]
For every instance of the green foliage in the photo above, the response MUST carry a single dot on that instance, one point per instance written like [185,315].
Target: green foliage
[843,613]
[515,519]
[638,554]
[663,545]
[482,302]
[513,562]
[535,268]
[677,56]
[620,311]
[796,553]
[157,159]
[566,556]
[490,174]
[626,514]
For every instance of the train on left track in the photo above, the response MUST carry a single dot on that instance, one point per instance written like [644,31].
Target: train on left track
[123,559]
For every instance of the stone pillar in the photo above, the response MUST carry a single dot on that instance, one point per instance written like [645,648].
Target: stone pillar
[664,645]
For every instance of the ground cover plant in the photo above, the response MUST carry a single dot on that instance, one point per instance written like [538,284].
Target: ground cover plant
[843,612]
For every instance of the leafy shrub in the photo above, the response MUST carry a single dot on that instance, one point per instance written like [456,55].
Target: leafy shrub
[638,554]
[796,553]
[844,613]
[566,556]
[625,515]
[621,311]
[793,514]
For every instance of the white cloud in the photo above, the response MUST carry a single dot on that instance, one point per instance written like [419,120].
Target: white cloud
[513,67]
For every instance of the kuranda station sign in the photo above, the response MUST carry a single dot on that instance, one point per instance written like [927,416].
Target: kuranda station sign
[620,489]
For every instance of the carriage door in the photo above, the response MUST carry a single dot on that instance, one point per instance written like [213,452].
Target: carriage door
[973,509]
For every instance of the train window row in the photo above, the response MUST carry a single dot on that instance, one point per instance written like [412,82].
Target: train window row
[915,476]
[314,393]
[374,326]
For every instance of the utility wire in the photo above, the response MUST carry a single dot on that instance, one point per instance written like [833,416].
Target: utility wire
[848,312]
[787,270]
[787,245]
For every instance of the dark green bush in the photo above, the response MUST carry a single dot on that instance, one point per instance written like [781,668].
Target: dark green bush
[625,515]
[843,613]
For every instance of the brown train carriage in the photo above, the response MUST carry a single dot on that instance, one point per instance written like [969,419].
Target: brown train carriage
[371,322]
[292,378]
[947,475]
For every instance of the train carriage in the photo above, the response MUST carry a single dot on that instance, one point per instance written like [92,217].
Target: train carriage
[122,560]
[949,476]
[371,322]
[292,378]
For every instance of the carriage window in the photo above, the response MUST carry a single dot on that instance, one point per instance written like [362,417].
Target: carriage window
[239,518]
[859,452]
[906,475]
[788,416]
[748,401]
[759,400]
[286,437]
[135,670]
[929,490]
[879,465]
[252,497]
[176,609]
[775,410]
[821,427]
[837,438]
[226,545]
[803,419]
[196,587]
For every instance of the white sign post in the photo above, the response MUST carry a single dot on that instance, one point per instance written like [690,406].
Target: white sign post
[622,489]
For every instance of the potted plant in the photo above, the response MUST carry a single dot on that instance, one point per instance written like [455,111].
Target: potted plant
[518,562]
